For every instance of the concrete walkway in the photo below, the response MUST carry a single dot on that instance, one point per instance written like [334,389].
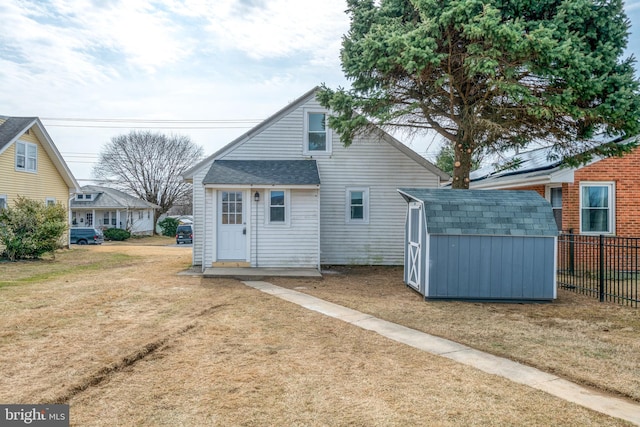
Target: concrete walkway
[506,368]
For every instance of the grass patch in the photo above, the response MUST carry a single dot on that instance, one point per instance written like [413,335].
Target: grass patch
[65,263]
[128,341]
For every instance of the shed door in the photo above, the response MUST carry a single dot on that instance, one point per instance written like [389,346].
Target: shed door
[414,244]
[232,231]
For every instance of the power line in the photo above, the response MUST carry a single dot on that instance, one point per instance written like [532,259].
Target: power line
[124,123]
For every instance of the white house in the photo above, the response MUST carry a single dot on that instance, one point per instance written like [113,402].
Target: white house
[288,194]
[104,207]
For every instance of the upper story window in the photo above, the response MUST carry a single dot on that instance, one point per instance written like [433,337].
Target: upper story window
[357,205]
[26,156]
[317,136]
[597,211]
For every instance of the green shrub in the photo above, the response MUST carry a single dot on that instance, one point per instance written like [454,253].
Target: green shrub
[117,234]
[30,228]
[169,226]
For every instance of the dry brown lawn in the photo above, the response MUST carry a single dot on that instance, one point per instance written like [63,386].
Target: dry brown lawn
[115,332]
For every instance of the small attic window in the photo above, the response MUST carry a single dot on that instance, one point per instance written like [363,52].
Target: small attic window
[88,196]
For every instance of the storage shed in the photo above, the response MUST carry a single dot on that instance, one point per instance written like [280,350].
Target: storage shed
[492,245]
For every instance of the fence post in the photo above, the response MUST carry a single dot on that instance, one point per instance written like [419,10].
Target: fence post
[571,252]
[601,268]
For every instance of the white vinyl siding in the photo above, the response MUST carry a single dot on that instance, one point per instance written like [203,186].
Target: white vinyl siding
[298,246]
[199,216]
[370,163]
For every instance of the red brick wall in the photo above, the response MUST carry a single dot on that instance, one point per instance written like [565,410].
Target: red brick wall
[538,188]
[625,173]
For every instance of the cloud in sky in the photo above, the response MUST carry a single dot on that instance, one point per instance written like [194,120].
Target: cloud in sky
[168,59]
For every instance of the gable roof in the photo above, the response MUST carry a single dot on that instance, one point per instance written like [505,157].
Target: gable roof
[110,198]
[484,212]
[14,127]
[188,174]
[269,172]
[534,167]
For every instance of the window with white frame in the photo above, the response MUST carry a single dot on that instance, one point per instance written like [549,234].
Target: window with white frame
[317,136]
[357,205]
[89,219]
[79,196]
[105,218]
[3,201]
[50,201]
[597,207]
[277,206]
[140,214]
[555,198]
[26,156]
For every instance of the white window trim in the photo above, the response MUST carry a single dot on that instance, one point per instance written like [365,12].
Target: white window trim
[365,195]
[287,208]
[3,197]
[50,200]
[305,142]
[26,157]
[612,205]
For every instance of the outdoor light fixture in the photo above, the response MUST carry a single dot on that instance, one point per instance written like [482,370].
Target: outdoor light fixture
[256,197]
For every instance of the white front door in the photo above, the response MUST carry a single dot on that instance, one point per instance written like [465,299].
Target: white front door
[414,245]
[232,227]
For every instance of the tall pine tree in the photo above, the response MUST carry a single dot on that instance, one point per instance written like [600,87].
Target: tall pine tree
[490,75]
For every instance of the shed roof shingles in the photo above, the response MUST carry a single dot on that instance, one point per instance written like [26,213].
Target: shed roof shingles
[488,212]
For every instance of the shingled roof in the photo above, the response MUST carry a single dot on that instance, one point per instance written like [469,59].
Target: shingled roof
[484,212]
[263,172]
[12,128]
[110,198]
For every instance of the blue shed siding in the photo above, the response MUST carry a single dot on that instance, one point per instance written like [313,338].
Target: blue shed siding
[491,267]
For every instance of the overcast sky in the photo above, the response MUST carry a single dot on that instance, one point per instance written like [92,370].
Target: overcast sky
[209,69]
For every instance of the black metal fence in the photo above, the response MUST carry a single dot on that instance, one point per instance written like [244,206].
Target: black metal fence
[604,267]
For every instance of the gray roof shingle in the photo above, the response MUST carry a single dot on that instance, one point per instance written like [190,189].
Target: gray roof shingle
[110,198]
[484,212]
[263,172]
[13,127]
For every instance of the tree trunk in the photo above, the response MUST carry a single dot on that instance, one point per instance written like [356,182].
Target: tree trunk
[463,154]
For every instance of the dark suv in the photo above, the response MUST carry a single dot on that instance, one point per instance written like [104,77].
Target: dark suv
[86,236]
[184,234]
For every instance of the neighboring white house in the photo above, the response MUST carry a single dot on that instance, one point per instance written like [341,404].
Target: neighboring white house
[288,194]
[104,207]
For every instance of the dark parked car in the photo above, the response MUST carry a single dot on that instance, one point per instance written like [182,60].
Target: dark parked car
[86,236]
[184,234]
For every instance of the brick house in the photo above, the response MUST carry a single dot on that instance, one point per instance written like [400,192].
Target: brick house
[598,198]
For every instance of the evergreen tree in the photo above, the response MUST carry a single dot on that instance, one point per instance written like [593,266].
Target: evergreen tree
[490,75]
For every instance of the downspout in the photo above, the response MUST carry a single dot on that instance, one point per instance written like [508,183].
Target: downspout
[319,229]
[257,200]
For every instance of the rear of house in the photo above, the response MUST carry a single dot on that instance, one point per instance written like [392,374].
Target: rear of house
[289,194]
